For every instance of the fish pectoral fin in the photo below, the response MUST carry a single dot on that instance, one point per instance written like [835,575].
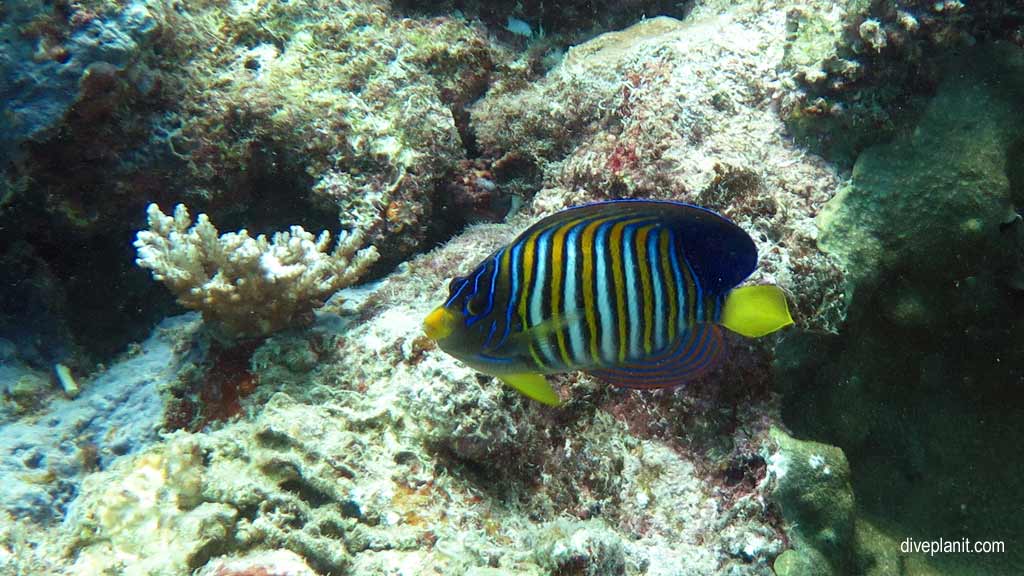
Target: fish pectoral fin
[756,310]
[549,326]
[533,386]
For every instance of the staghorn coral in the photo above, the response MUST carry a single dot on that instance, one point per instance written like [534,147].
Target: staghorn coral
[248,286]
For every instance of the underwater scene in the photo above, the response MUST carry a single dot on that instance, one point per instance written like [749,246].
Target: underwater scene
[466,287]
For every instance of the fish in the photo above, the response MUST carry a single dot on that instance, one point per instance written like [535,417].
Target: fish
[635,292]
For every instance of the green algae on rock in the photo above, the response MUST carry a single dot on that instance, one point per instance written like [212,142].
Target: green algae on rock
[936,202]
[812,486]
[919,388]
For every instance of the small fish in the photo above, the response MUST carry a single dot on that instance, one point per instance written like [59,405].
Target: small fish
[634,292]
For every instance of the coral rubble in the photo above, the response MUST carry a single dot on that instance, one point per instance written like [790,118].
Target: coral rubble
[118,413]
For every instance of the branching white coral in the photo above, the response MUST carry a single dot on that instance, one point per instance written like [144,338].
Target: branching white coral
[243,285]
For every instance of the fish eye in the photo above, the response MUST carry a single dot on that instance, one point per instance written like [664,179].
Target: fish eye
[475,305]
[454,285]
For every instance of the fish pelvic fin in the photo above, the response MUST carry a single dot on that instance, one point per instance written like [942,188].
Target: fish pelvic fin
[533,386]
[754,311]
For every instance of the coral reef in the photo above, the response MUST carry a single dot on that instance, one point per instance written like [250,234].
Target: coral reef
[263,115]
[365,450]
[47,57]
[117,413]
[929,235]
[858,69]
[320,433]
[638,113]
[248,286]
[362,109]
[55,58]
[546,24]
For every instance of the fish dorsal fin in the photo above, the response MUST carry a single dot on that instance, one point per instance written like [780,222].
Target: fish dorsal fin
[692,354]
[720,253]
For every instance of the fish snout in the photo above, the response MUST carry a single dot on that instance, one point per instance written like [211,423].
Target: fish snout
[439,324]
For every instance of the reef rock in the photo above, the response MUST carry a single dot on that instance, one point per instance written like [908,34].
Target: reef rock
[119,412]
[680,110]
[812,486]
[922,384]
[856,70]
[937,203]
[41,66]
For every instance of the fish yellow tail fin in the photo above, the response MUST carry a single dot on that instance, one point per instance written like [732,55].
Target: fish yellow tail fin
[756,310]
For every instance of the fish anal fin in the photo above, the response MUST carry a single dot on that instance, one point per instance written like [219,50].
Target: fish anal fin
[695,352]
[533,386]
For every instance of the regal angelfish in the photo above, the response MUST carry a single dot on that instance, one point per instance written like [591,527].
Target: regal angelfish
[632,291]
